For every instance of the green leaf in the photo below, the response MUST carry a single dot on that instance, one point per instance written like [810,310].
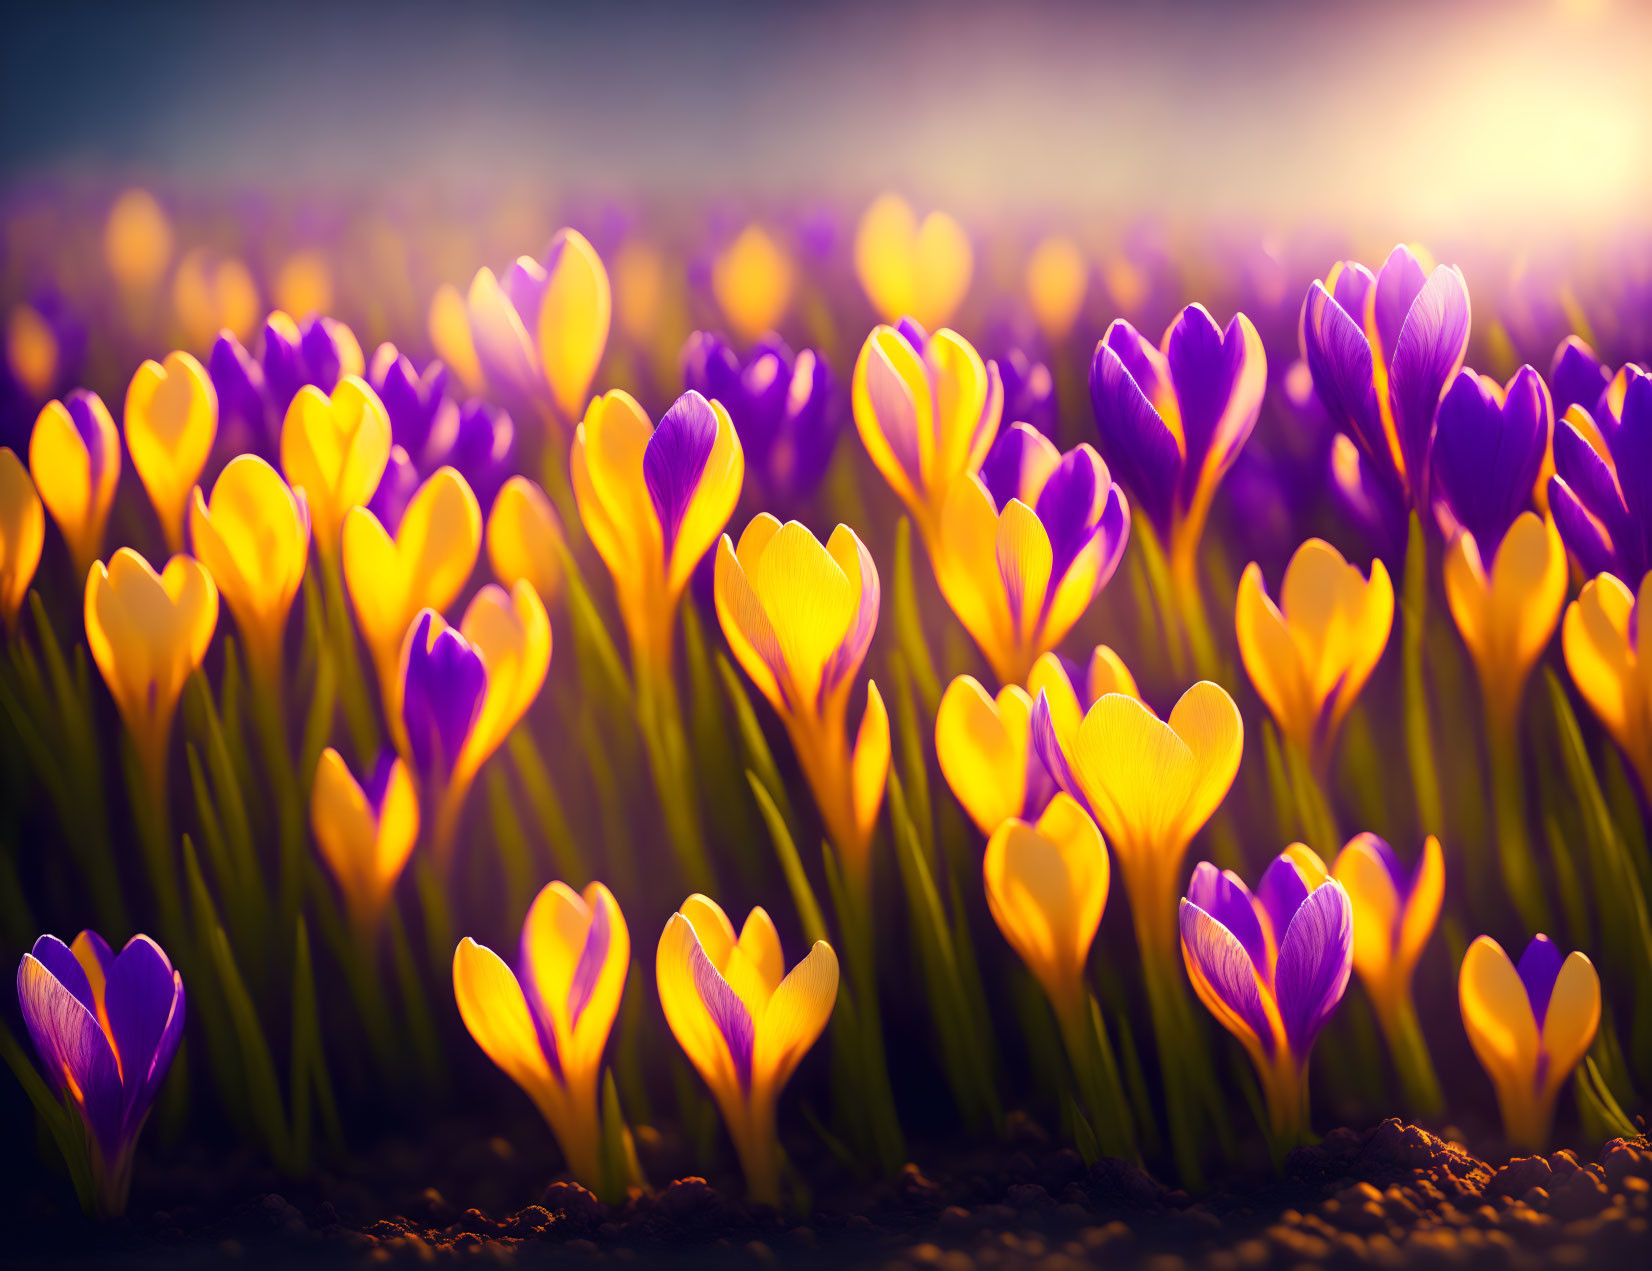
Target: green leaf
[1419,737]
[63,1124]
[1596,1103]
[546,805]
[791,864]
[759,758]
[909,632]
[257,1064]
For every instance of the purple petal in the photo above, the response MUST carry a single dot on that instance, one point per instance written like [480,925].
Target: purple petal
[441,697]
[1352,289]
[1048,749]
[319,352]
[588,970]
[395,490]
[1029,391]
[913,334]
[676,459]
[72,1047]
[1539,968]
[1138,446]
[1007,471]
[1203,371]
[377,785]
[1070,507]
[60,960]
[1339,361]
[243,409]
[727,1011]
[1579,530]
[1281,893]
[479,440]
[852,652]
[1397,285]
[138,1000]
[1315,959]
[1427,354]
[1487,455]
[1226,967]
[524,285]
[1577,377]
[1223,895]
[1632,453]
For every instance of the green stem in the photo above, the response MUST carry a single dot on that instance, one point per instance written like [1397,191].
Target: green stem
[1418,1081]
[1513,846]
[1419,738]
[358,710]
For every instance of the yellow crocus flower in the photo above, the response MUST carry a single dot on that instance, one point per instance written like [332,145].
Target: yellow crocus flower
[171,422]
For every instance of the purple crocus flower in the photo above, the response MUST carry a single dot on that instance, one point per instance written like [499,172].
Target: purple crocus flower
[1381,349]
[246,415]
[1601,492]
[412,400]
[429,430]
[106,1029]
[318,350]
[444,682]
[781,405]
[1488,449]
[1271,966]
[1173,418]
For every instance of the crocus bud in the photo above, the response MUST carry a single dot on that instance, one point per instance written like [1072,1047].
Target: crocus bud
[752,280]
[984,746]
[912,267]
[423,566]
[74,456]
[106,1028]
[147,633]
[1381,349]
[1026,546]
[799,617]
[22,535]
[546,1024]
[927,409]
[1271,967]
[653,501]
[253,536]
[1310,655]
[524,539]
[334,448]
[1608,648]
[1599,494]
[171,421]
[742,1020]
[1046,888]
[1151,784]
[1530,1025]
[365,833]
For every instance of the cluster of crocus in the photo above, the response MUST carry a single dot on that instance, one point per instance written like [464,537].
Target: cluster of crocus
[799,618]
[106,1027]
[654,501]
[781,404]
[546,1024]
[1271,967]
[1025,546]
[743,1020]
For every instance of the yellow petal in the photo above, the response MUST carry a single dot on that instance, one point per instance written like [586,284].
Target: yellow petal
[809,602]
[711,505]
[524,538]
[746,627]
[1376,909]
[686,1014]
[1528,588]
[513,635]
[752,280]
[335,449]
[1050,677]
[62,469]
[494,1010]
[1057,278]
[982,746]
[573,320]
[1595,638]
[1108,674]
[22,534]
[1573,1016]
[795,1017]
[894,411]
[1272,658]
[1497,1015]
[966,559]
[869,771]
[1422,908]
[450,336]
[171,421]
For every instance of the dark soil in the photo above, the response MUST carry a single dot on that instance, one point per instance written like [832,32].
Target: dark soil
[1393,1196]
